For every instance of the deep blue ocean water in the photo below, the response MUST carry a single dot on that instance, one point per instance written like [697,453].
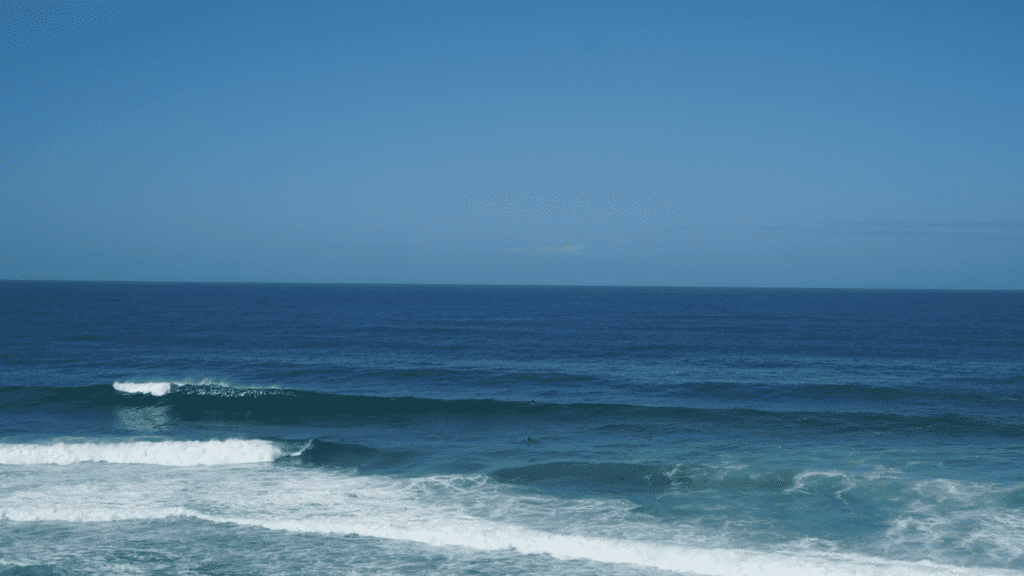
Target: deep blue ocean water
[164,428]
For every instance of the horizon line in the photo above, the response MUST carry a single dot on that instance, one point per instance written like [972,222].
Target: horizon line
[498,285]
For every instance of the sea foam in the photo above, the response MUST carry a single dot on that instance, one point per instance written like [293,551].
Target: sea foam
[154,388]
[483,535]
[438,511]
[170,453]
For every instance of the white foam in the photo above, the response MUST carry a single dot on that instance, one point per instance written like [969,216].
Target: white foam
[491,536]
[800,480]
[954,515]
[169,453]
[465,511]
[83,514]
[710,561]
[154,388]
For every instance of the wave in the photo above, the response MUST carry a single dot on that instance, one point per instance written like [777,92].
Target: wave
[330,454]
[166,453]
[481,512]
[581,477]
[204,401]
[619,478]
[485,535]
[315,453]
[151,388]
[203,388]
[488,535]
[29,569]
[95,514]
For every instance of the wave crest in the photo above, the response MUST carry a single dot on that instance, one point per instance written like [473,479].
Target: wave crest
[168,453]
[152,388]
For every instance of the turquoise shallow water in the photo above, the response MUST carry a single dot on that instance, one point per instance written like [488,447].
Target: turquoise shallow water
[272,429]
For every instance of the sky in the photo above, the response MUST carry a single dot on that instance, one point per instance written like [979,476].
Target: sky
[740,144]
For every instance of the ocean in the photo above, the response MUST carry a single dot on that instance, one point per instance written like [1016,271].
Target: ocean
[177,428]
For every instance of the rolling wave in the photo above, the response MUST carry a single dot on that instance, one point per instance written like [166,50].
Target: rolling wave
[315,453]
[330,454]
[198,402]
[166,453]
[485,535]
[488,512]
[151,388]
[622,478]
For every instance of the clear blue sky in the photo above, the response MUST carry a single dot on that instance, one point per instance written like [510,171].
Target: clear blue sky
[797,144]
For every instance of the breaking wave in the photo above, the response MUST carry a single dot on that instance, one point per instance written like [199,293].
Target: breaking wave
[151,388]
[167,453]
[489,535]
[213,401]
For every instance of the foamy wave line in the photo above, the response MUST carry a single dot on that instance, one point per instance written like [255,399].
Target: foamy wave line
[154,388]
[205,387]
[66,514]
[483,535]
[168,453]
